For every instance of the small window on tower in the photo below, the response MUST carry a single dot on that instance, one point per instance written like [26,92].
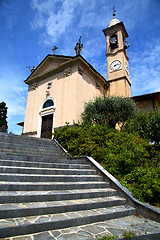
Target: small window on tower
[113,42]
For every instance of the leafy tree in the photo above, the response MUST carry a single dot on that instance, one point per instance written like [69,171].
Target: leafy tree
[109,111]
[3,117]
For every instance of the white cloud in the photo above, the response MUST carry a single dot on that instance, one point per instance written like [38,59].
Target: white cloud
[59,17]
[54,17]
[14,92]
[145,69]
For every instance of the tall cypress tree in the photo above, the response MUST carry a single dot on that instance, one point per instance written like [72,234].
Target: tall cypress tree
[3,117]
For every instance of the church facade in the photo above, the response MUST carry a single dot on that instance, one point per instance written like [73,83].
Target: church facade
[60,85]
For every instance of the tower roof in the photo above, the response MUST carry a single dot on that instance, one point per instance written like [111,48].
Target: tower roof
[113,22]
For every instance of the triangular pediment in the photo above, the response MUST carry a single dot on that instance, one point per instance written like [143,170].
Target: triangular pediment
[51,62]
[55,63]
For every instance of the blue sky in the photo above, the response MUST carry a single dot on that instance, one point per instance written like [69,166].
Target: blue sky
[29,29]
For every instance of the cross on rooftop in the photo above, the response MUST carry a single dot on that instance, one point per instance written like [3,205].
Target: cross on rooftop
[54,49]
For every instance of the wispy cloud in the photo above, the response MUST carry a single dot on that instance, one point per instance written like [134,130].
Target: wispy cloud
[54,16]
[14,93]
[9,12]
[63,17]
[145,69]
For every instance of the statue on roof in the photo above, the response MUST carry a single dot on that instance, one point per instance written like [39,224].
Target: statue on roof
[78,47]
[31,69]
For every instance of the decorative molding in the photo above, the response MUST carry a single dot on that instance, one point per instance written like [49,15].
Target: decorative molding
[47,94]
[49,85]
[67,72]
[98,86]
[34,86]
[80,70]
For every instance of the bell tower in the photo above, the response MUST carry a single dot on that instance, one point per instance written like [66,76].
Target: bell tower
[117,59]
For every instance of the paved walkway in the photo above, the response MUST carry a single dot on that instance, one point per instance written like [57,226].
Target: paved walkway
[137,225]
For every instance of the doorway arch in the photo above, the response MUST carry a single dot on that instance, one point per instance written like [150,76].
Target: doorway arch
[46,118]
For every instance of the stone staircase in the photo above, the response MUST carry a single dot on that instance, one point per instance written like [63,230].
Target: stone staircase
[42,190]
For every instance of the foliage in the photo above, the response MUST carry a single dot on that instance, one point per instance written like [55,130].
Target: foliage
[153,126]
[126,235]
[137,125]
[107,238]
[129,158]
[146,125]
[109,111]
[3,117]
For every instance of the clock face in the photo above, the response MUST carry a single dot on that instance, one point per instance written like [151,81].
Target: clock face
[115,65]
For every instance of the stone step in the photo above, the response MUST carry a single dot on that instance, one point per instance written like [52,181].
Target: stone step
[52,158]
[32,158]
[29,147]
[19,138]
[45,171]
[43,164]
[49,186]
[142,229]
[34,196]
[35,152]
[29,144]
[29,152]
[27,225]
[53,207]
[8,177]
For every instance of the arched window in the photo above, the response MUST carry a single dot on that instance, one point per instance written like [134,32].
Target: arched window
[113,42]
[48,103]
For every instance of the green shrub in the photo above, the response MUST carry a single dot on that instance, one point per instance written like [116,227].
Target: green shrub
[128,235]
[107,238]
[145,125]
[153,126]
[129,158]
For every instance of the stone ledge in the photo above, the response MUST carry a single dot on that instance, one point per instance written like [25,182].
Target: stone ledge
[30,133]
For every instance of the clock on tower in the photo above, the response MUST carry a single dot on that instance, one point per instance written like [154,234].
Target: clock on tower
[117,59]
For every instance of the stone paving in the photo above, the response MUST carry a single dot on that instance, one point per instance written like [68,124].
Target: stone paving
[21,221]
[137,225]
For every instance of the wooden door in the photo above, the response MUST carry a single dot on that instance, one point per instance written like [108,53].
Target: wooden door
[46,129]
